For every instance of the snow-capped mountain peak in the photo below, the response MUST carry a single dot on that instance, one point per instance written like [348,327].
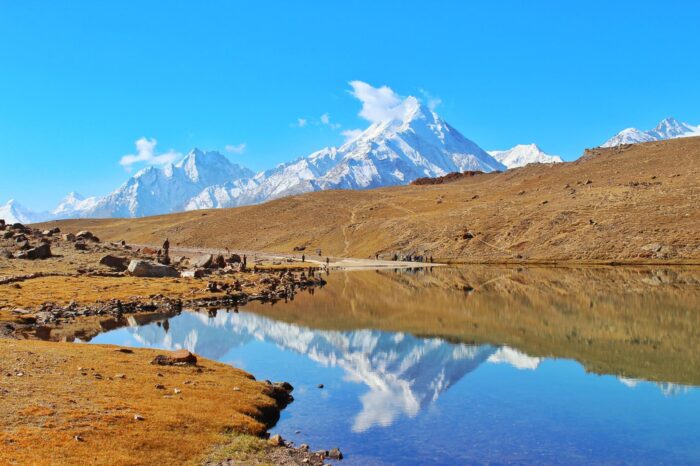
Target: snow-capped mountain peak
[523,154]
[668,128]
[412,142]
[14,212]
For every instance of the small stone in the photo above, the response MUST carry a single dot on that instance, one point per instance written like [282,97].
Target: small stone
[276,440]
[78,438]
[138,417]
[177,391]
[236,389]
[335,454]
[160,386]
[304,447]
[120,376]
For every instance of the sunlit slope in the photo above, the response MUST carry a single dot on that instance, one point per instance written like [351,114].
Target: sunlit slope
[632,203]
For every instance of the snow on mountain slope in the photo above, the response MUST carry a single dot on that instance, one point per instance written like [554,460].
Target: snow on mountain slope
[668,128]
[523,154]
[388,153]
[408,145]
[13,212]
[154,191]
[72,205]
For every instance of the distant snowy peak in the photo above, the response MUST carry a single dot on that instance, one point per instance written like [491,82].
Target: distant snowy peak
[154,190]
[523,154]
[72,204]
[13,212]
[668,128]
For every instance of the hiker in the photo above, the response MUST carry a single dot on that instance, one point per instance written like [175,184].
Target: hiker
[303,258]
[328,262]
[166,246]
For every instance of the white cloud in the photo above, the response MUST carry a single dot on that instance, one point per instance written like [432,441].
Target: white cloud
[351,134]
[432,101]
[146,153]
[378,103]
[326,120]
[301,122]
[237,149]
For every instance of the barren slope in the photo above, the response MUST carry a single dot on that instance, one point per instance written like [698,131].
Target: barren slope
[633,203]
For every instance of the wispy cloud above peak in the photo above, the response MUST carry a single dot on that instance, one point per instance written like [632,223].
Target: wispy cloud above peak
[236,149]
[146,154]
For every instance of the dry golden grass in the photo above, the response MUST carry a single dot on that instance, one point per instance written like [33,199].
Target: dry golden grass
[59,397]
[608,206]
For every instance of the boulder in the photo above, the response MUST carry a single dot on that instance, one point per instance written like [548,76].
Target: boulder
[141,268]
[69,237]
[23,245]
[114,262]
[234,259]
[55,231]
[7,234]
[87,236]
[204,262]
[80,246]
[5,254]
[2,224]
[40,252]
[176,358]
[219,262]
[149,251]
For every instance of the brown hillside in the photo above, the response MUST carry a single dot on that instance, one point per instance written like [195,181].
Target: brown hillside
[636,203]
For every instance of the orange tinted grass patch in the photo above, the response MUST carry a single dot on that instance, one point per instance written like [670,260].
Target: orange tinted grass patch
[62,413]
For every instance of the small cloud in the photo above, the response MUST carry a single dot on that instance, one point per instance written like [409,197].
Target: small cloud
[351,134]
[326,120]
[431,101]
[301,122]
[236,149]
[146,153]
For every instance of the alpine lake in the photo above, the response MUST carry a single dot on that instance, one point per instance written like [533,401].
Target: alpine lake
[470,365]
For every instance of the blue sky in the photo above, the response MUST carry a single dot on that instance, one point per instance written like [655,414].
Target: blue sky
[81,82]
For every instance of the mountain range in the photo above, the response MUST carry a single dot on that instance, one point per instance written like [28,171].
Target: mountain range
[390,152]
[668,128]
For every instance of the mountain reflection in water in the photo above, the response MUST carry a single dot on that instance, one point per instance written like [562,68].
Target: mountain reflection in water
[470,365]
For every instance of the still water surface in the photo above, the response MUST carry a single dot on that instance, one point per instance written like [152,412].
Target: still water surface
[472,366]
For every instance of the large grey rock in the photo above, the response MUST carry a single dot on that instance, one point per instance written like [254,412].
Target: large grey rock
[141,268]
[204,262]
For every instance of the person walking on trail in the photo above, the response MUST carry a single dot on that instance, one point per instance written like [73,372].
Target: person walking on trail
[166,246]
[328,262]
[303,258]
